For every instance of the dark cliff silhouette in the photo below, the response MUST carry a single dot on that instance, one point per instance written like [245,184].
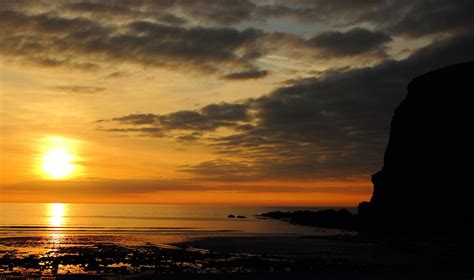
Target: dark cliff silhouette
[425,185]
[426,181]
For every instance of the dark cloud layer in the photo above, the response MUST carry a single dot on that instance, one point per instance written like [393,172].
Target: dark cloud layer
[353,42]
[49,39]
[246,75]
[403,17]
[208,118]
[428,17]
[205,35]
[334,126]
[137,119]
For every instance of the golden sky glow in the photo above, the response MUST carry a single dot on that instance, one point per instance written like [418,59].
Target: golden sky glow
[245,103]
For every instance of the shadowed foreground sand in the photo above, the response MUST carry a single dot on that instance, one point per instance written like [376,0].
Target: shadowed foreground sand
[337,257]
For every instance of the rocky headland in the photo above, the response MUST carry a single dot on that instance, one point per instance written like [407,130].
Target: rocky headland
[425,183]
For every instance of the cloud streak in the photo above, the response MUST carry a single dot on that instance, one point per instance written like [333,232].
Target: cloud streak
[353,42]
[80,89]
[246,75]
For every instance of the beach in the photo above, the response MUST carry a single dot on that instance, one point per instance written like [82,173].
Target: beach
[336,257]
[251,247]
[58,239]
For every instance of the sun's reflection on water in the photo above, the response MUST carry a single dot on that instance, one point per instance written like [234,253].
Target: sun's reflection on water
[57,213]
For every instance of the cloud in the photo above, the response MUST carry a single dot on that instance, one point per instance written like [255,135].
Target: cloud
[93,190]
[107,190]
[353,42]
[117,74]
[208,118]
[410,18]
[227,112]
[431,17]
[218,12]
[246,75]
[223,170]
[99,8]
[333,126]
[304,14]
[80,89]
[188,138]
[137,119]
[211,37]
[222,12]
[49,39]
[203,35]
[195,45]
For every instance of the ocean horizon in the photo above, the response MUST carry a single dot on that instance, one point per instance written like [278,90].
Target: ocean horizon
[155,223]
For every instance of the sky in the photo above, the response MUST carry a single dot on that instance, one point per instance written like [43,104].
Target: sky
[211,102]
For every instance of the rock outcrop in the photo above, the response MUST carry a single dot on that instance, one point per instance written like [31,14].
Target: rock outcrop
[330,218]
[426,184]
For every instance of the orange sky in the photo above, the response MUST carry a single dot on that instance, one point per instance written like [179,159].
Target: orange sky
[167,103]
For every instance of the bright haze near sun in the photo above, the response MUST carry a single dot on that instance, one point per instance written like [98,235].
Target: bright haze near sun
[232,102]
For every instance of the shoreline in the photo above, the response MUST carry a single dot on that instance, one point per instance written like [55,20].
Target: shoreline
[281,256]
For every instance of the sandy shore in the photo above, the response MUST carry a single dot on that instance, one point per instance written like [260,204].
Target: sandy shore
[248,257]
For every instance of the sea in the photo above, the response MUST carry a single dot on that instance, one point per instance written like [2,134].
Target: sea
[33,227]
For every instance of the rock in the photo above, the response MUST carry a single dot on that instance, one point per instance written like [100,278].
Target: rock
[231,216]
[241,217]
[425,182]
[341,219]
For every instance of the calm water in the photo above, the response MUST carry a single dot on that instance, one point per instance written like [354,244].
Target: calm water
[157,224]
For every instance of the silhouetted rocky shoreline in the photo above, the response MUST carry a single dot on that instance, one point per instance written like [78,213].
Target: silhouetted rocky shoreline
[423,187]
[338,219]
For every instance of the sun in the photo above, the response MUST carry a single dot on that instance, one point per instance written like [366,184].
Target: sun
[59,158]
[57,163]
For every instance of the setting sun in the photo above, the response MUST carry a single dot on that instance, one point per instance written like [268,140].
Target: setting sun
[57,164]
[58,158]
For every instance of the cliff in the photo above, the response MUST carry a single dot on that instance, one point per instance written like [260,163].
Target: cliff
[425,183]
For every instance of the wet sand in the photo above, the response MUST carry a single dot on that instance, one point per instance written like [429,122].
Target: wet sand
[358,256]
[248,257]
